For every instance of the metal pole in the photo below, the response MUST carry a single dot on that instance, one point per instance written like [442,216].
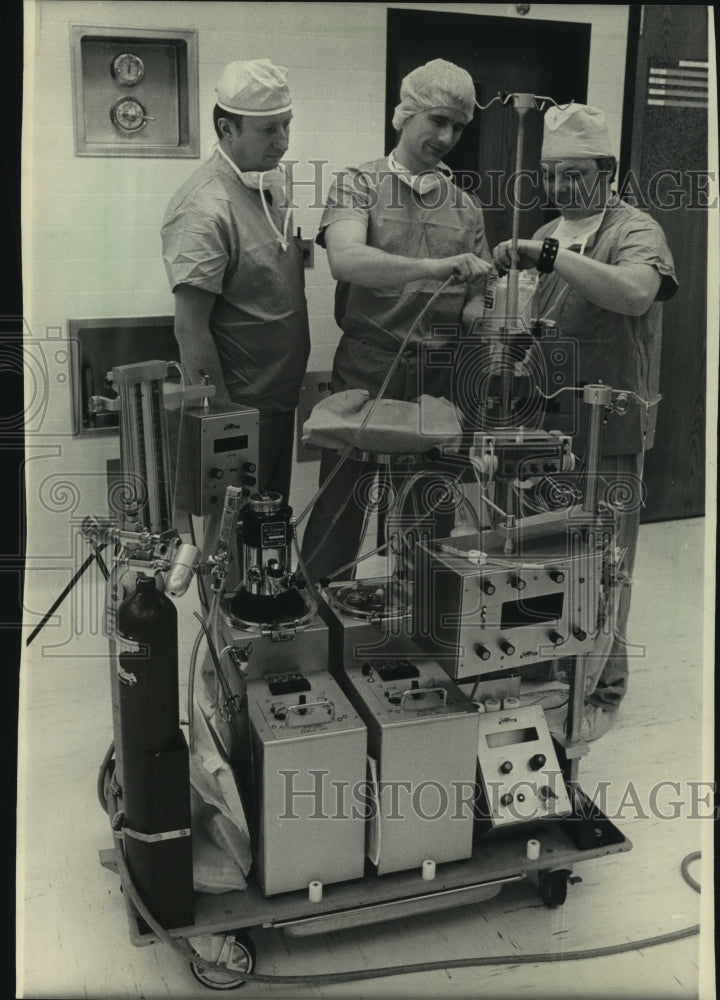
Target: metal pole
[598,396]
[522,104]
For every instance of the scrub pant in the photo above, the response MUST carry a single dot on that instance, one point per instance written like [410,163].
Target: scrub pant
[334,533]
[607,671]
[607,677]
[334,529]
[277,432]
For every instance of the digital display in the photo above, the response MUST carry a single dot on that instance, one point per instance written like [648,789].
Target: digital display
[532,610]
[511,736]
[237,443]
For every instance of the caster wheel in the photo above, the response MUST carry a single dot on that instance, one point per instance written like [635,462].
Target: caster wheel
[553,887]
[237,953]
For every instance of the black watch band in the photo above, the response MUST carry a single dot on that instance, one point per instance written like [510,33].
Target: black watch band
[546,261]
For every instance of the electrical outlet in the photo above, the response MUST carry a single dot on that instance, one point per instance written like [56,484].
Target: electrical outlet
[307,248]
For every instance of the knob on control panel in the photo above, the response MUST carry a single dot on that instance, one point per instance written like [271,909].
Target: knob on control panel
[555,638]
[216,473]
[557,576]
[517,582]
[506,767]
[487,587]
[507,647]
[483,652]
[537,761]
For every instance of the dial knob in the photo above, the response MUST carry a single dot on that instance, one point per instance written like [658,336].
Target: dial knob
[557,576]
[580,634]
[555,638]
[128,114]
[507,647]
[517,582]
[546,793]
[487,587]
[216,473]
[506,767]
[483,652]
[537,761]
[506,799]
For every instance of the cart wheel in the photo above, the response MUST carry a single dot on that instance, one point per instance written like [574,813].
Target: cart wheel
[553,886]
[241,959]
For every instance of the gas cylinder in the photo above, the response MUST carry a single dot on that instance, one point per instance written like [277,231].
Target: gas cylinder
[154,755]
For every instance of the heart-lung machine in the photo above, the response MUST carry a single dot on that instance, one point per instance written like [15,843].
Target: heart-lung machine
[379,746]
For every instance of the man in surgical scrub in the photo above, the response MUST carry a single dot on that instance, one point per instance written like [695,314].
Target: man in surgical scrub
[395,229]
[605,268]
[235,270]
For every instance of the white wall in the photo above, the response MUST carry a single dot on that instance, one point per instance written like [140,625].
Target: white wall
[91,224]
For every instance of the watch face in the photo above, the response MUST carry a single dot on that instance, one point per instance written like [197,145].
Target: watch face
[128,69]
[128,114]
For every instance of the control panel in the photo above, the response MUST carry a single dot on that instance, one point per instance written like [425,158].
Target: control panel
[218,448]
[519,770]
[399,689]
[286,703]
[478,611]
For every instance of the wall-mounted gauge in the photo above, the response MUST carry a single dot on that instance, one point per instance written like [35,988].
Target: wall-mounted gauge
[128,69]
[135,91]
[128,114]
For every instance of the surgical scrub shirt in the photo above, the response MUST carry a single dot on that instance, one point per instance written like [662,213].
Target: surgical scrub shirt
[445,222]
[216,237]
[603,346]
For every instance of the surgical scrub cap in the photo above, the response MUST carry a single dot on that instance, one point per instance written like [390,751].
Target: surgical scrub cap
[253,88]
[437,84]
[575,133]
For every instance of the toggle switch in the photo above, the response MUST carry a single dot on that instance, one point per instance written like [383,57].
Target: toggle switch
[546,793]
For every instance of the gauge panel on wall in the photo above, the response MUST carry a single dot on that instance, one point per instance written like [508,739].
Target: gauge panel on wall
[135,92]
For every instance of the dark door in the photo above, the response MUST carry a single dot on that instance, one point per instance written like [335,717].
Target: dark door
[503,55]
[665,135]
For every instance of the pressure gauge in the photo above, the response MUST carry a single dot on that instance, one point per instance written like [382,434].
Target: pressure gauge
[128,114]
[128,69]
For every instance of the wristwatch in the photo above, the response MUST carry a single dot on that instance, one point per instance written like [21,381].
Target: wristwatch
[546,261]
